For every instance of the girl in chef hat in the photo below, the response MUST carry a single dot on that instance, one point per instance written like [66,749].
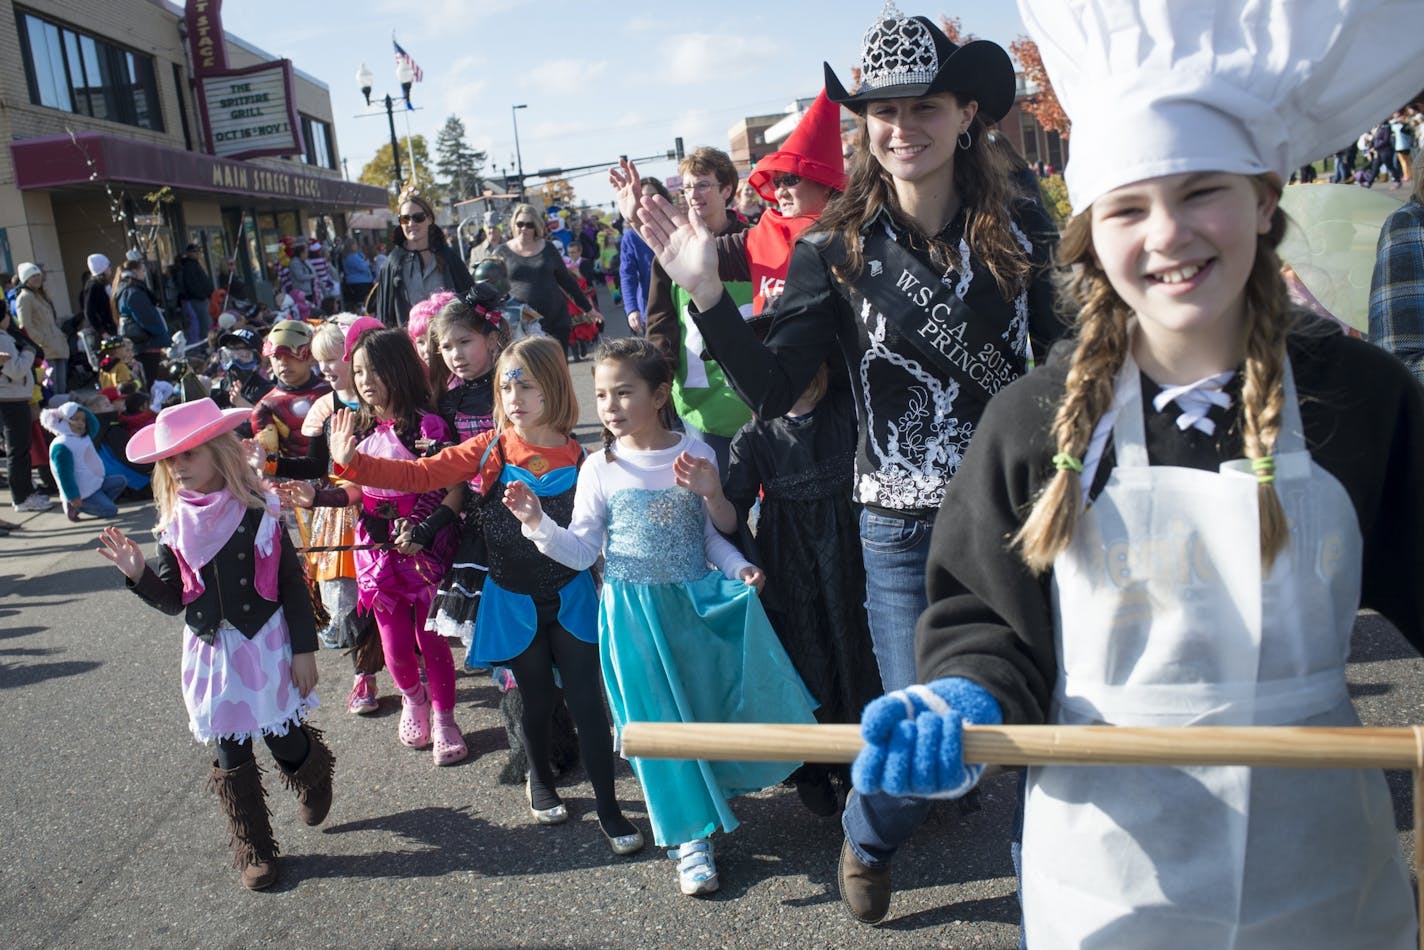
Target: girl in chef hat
[1174,522]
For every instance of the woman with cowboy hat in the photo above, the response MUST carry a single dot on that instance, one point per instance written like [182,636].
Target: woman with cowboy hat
[928,276]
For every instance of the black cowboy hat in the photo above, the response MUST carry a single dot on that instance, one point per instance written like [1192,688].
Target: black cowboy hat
[908,57]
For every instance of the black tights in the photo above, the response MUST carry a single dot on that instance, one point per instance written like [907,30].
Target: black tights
[583,692]
[289,750]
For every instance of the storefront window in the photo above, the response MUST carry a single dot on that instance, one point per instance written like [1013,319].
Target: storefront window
[316,136]
[79,73]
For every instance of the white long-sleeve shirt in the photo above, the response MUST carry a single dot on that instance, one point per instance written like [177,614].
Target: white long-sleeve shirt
[580,543]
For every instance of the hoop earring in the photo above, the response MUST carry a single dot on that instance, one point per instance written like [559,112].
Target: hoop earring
[965,141]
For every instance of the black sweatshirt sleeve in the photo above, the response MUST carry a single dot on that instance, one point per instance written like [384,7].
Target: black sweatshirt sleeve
[314,465]
[770,377]
[161,588]
[988,618]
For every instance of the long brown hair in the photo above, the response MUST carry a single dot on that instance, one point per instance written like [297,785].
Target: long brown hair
[391,356]
[1103,344]
[982,179]
[127,270]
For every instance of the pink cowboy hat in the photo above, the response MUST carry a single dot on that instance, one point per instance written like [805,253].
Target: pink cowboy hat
[183,427]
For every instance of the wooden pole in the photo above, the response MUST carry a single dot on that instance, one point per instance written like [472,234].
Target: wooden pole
[1266,746]
[1279,746]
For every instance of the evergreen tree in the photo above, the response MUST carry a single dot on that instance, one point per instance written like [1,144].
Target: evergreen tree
[458,164]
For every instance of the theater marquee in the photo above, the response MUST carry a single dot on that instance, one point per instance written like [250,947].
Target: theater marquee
[251,112]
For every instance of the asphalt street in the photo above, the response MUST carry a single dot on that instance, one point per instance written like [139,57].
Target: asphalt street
[110,838]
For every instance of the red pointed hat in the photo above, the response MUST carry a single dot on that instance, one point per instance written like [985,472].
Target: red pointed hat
[812,150]
[182,427]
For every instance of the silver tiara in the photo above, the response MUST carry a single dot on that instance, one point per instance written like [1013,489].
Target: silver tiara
[897,51]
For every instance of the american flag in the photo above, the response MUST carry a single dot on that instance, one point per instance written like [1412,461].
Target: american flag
[403,57]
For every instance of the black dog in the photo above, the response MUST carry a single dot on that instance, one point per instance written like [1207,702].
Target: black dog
[563,745]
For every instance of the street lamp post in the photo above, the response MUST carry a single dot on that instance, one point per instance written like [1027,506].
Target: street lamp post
[365,79]
[519,158]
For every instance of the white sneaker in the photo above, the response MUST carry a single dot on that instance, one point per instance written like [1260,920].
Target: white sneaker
[36,502]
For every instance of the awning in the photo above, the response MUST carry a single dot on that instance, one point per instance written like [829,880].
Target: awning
[92,158]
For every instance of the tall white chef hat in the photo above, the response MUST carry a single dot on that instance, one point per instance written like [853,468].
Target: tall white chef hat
[1161,87]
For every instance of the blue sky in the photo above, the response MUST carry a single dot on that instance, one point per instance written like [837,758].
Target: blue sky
[599,79]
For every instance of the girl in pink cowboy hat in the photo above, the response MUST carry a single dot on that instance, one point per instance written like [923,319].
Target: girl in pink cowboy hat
[249,635]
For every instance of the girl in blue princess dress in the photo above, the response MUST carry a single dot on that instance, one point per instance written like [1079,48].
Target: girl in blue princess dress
[678,642]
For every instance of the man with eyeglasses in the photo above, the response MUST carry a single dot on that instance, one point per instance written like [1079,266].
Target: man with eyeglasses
[422,263]
[798,179]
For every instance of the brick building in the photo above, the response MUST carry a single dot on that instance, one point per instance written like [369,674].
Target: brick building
[118,137]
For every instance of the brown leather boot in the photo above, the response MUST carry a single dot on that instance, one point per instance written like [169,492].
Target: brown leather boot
[312,780]
[864,889]
[244,804]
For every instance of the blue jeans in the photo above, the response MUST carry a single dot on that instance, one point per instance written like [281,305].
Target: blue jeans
[101,504]
[895,551]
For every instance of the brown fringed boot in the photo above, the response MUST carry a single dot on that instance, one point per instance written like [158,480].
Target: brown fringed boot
[312,780]
[244,804]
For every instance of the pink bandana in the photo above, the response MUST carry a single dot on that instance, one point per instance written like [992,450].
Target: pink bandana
[203,523]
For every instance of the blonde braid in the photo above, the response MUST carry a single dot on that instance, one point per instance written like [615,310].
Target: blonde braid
[1087,395]
[1263,385]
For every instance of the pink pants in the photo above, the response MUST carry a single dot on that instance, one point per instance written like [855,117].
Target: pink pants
[400,631]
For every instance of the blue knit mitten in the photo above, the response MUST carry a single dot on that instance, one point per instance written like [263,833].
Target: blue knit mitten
[914,739]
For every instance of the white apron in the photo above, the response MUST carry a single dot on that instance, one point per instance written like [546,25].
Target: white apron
[1163,620]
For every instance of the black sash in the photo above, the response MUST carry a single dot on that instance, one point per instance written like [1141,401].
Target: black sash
[948,331]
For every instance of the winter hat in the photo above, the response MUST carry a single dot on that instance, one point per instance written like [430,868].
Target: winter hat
[133,254]
[812,150]
[358,329]
[908,57]
[97,264]
[1162,87]
[243,338]
[27,270]
[57,420]
[182,427]
[227,320]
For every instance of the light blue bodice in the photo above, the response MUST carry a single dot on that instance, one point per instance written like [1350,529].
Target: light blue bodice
[655,536]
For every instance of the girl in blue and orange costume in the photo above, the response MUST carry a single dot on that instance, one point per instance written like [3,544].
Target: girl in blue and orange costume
[248,669]
[679,642]
[466,335]
[405,538]
[535,613]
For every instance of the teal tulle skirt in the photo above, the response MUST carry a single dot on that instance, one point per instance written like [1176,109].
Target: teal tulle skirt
[700,651]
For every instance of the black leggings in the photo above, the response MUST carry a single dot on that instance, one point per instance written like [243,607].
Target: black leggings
[15,418]
[583,692]
[290,750]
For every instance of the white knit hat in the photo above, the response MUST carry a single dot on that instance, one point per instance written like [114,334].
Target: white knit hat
[27,270]
[97,263]
[1161,87]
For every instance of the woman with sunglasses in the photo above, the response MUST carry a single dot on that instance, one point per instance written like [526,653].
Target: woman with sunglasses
[928,275]
[538,275]
[421,264]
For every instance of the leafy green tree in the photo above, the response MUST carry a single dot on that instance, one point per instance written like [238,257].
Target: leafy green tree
[381,171]
[459,164]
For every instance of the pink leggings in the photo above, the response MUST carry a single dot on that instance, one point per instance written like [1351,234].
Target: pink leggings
[400,632]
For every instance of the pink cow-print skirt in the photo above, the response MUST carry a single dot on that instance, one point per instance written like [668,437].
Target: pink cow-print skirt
[242,688]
